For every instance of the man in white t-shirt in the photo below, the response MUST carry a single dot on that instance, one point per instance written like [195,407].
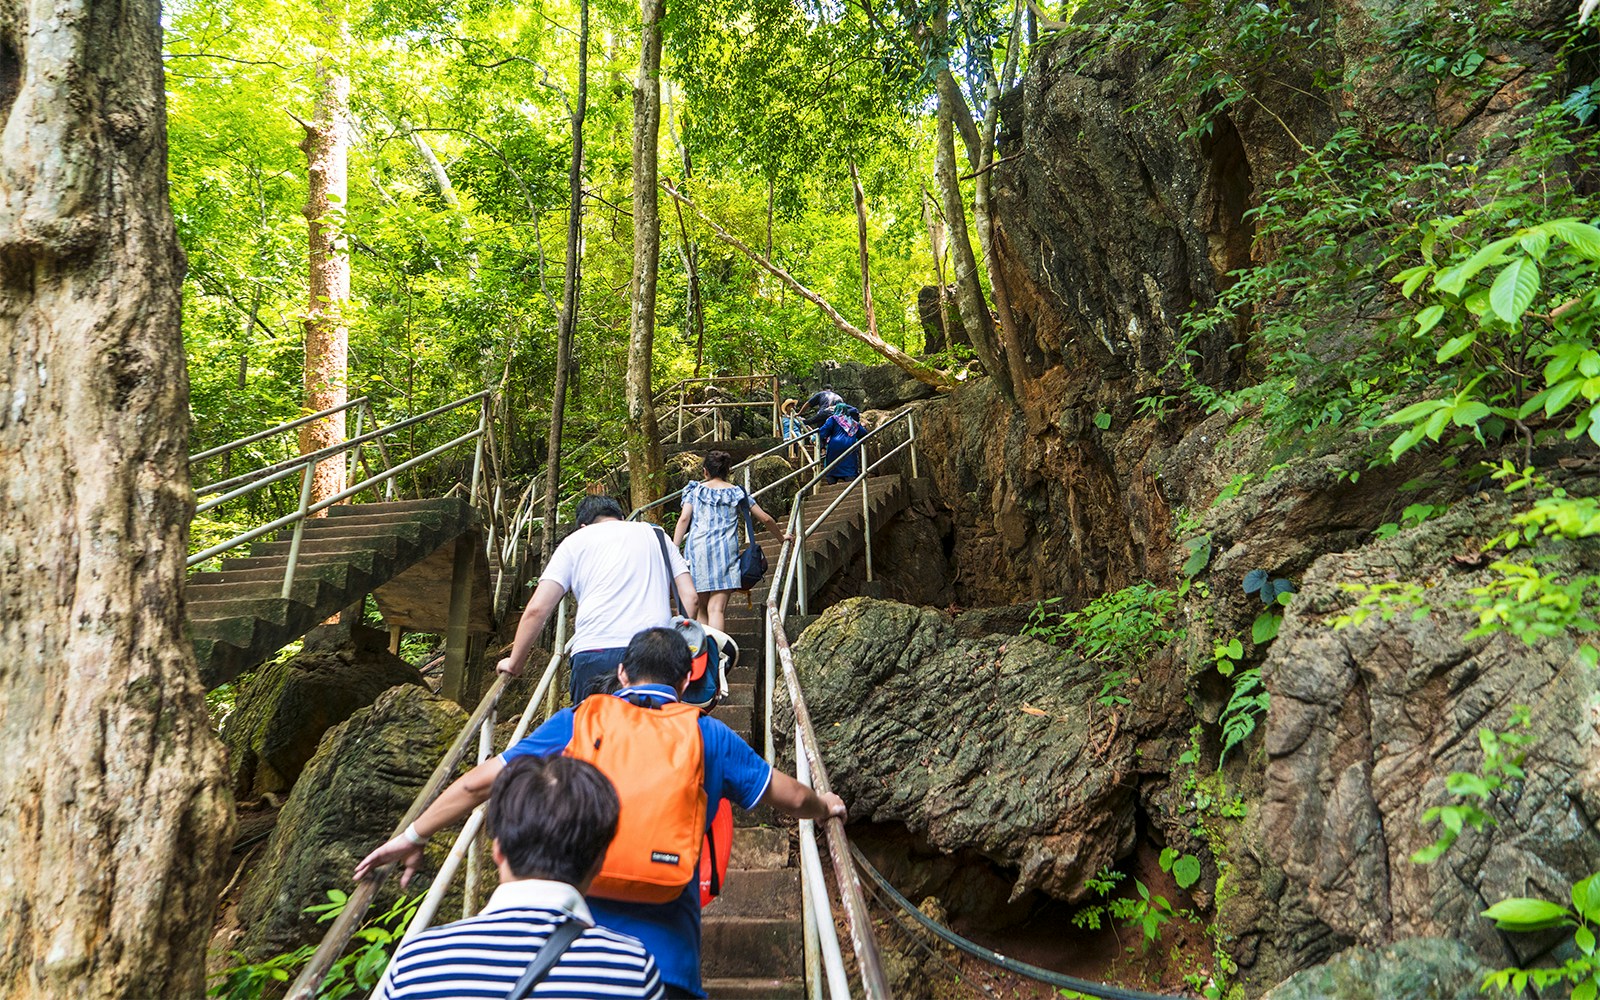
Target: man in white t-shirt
[617,572]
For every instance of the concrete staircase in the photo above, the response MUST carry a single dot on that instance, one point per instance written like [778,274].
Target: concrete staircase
[237,616]
[753,944]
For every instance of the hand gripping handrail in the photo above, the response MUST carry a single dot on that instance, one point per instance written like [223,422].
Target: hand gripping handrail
[360,899]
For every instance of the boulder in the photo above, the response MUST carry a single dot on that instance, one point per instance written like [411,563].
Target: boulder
[361,781]
[870,387]
[1367,722]
[1413,969]
[937,336]
[286,708]
[996,744]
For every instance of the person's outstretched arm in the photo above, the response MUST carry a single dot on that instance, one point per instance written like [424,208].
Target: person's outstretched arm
[789,796]
[544,600]
[769,521]
[689,597]
[465,794]
[682,529]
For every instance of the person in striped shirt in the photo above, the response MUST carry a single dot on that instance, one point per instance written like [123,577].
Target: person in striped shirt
[552,819]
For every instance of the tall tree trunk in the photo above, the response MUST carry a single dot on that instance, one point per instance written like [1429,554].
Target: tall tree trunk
[643,445]
[326,146]
[569,294]
[115,804]
[861,239]
[983,215]
[970,302]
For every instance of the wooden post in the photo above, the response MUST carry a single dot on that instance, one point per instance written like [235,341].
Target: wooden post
[394,640]
[457,639]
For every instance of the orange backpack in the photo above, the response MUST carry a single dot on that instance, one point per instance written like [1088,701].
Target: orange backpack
[656,760]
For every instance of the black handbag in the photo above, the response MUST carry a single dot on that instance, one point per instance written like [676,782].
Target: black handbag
[752,561]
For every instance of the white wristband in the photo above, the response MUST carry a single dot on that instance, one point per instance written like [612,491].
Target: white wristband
[412,835]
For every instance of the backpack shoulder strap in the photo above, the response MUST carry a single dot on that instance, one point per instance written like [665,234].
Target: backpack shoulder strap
[749,523]
[673,601]
[554,947]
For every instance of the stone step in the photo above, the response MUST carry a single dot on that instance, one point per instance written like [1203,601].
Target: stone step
[758,892]
[739,696]
[430,503]
[743,947]
[308,589]
[760,847]
[386,544]
[728,988]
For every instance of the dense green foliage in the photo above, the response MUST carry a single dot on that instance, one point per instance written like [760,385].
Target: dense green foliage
[767,106]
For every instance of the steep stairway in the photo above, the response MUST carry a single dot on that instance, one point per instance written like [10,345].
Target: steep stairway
[238,618]
[753,944]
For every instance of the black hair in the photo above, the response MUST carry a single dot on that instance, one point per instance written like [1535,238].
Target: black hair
[717,464]
[553,817]
[657,656]
[595,506]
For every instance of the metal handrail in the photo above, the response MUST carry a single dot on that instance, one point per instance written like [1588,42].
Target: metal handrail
[360,899]
[307,464]
[331,450]
[820,931]
[290,425]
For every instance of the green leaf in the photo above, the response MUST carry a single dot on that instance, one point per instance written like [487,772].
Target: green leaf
[1523,914]
[1416,411]
[1491,254]
[1585,990]
[1586,897]
[1235,648]
[1412,278]
[1186,871]
[1561,394]
[1580,236]
[1584,938]
[1265,627]
[1590,657]
[1514,290]
[1455,345]
[1468,412]
[1428,318]
[1102,421]
[1168,856]
[371,966]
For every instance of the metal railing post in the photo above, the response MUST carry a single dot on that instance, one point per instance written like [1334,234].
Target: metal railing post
[800,554]
[680,414]
[355,453]
[866,525]
[911,435]
[299,528]
[477,452]
[469,888]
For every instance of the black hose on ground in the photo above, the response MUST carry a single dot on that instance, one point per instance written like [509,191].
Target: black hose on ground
[1103,990]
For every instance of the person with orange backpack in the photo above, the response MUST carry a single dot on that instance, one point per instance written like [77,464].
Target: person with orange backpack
[668,762]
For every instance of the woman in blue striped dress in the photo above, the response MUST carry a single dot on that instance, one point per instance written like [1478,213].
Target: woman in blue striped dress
[711,519]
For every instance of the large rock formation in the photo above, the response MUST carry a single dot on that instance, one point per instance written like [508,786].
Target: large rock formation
[361,781]
[286,708]
[1367,722]
[1414,969]
[996,744]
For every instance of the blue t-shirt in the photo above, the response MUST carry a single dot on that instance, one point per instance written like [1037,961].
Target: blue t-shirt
[671,931]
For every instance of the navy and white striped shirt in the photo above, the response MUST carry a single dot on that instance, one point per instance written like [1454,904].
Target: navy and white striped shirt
[484,956]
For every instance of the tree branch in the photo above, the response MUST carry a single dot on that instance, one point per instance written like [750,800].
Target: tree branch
[941,380]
